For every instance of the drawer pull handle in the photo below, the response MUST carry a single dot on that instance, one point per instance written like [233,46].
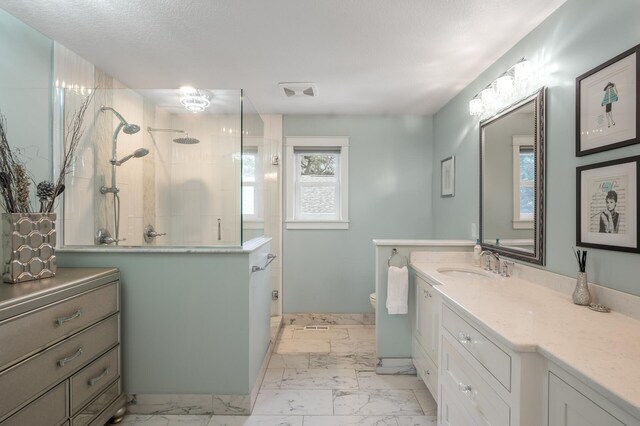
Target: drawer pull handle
[100,377]
[466,389]
[64,361]
[62,320]
[464,338]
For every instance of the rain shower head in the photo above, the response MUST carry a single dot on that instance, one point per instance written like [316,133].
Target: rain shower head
[186,140]
[140,152]
[128,128]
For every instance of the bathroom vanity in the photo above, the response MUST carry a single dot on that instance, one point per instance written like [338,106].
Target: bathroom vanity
[512,352]
[60,349]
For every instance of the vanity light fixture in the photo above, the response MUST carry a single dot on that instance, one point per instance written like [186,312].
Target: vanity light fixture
[501,90]
[194,100]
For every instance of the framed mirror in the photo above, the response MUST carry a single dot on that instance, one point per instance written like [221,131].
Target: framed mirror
[512,180]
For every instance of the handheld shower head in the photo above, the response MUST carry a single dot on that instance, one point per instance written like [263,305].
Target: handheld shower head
[138,153]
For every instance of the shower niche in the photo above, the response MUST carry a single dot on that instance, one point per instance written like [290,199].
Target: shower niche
[163,168]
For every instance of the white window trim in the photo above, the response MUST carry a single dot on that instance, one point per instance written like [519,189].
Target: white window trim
[290,172]
[520,222]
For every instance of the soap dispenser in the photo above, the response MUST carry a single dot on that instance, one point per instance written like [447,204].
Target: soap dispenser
[477,249]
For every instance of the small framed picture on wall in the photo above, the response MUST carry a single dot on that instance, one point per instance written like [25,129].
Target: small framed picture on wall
[607,105]
[447,177]
[607,205]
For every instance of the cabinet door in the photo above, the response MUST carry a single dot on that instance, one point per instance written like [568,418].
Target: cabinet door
[425,317]
[450,412]
[568,407]
[435,308]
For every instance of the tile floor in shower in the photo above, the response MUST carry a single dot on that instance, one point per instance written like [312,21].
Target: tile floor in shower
[323,378]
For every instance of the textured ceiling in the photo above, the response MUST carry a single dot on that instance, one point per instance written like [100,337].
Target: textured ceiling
[367,56]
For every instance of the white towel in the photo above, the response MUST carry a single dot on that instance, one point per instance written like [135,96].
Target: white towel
[397,290]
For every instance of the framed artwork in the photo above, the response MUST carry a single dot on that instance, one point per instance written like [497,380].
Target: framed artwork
[607,104]
[607,205]
[447,177]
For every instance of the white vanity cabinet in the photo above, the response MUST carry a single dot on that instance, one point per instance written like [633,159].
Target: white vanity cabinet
[426,325]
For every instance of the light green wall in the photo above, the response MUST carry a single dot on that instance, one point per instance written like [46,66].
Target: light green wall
[576,38]
[25,93]
[185,320]
[389,197]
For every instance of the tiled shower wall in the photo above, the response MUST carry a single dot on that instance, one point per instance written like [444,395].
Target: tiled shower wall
[183,190]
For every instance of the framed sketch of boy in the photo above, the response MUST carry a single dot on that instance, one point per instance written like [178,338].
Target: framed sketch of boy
[607,205]
[607,103]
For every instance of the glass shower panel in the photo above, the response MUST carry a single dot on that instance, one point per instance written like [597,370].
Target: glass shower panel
[162,167]
[253,172]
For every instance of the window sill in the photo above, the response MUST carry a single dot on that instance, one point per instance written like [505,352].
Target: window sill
[309,224]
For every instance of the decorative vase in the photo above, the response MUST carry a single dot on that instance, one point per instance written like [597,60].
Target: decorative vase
[581,294]
[28,243]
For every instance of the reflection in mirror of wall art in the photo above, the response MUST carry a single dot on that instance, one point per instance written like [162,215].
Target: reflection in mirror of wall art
[607,102]
[512,181]
[607,208]
[447,177]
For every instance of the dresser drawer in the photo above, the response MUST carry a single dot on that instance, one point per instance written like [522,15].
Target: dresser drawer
[21,382]
[50,409]
[472,392]
[37,329]
[94,378]
[494,359]
[95,407]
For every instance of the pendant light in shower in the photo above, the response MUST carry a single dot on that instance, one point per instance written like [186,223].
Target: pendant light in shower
[195,100]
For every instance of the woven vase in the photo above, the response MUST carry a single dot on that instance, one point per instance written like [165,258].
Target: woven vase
[28,244]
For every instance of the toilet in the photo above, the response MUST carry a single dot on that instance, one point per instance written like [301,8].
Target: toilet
[372,300]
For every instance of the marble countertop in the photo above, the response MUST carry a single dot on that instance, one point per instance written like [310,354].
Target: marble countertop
[601,350]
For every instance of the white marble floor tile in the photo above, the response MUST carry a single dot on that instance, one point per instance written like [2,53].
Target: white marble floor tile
[350,421]
[300,346]
[427,403]
[287,332]
[294,402]
[289,361]
[319,379]
[375,403]
[417,420]
[352,346]
[371,380]
[256,421]
[360,327]
[330,334]
[362,333]
[165,420]
[365,361]
[272,378]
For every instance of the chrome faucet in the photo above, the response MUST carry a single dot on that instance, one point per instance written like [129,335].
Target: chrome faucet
[483,253]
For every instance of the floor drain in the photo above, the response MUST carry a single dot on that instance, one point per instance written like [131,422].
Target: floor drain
[316,327]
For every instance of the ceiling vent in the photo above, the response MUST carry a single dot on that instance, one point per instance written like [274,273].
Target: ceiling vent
[300,90]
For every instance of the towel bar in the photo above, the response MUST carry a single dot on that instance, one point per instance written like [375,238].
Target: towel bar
[270,258]
[394,252]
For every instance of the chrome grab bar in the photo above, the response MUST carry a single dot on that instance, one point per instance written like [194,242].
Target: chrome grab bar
[270,258]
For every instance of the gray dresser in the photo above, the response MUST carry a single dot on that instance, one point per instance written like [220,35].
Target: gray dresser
[60,350]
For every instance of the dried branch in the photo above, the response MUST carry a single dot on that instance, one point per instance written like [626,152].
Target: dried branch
[7,167]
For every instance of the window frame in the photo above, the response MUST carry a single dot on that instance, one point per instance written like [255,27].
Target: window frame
[519,141]
[341,145]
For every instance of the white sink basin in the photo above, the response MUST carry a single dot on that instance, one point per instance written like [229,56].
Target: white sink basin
[465,273]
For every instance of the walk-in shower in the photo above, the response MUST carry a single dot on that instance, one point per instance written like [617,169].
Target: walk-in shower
[189,187]
[103,237]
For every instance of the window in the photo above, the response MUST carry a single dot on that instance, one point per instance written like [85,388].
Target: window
[251,185]
[523,182]
[317,183]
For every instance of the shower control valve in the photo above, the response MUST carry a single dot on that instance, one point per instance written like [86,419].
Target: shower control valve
[150,234]
[103,238]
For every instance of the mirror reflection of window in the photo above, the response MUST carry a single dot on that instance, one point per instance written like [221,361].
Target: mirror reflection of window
[523,182]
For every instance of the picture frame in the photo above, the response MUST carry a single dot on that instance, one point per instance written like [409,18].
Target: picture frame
[447,177]
[607,105]
[607,205]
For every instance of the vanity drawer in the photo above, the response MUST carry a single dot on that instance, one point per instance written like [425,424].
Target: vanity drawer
[472,392]
[21,382]
[425,368]
[49,409]
[95,407]
[494,359]
[37,329]
[94,378]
